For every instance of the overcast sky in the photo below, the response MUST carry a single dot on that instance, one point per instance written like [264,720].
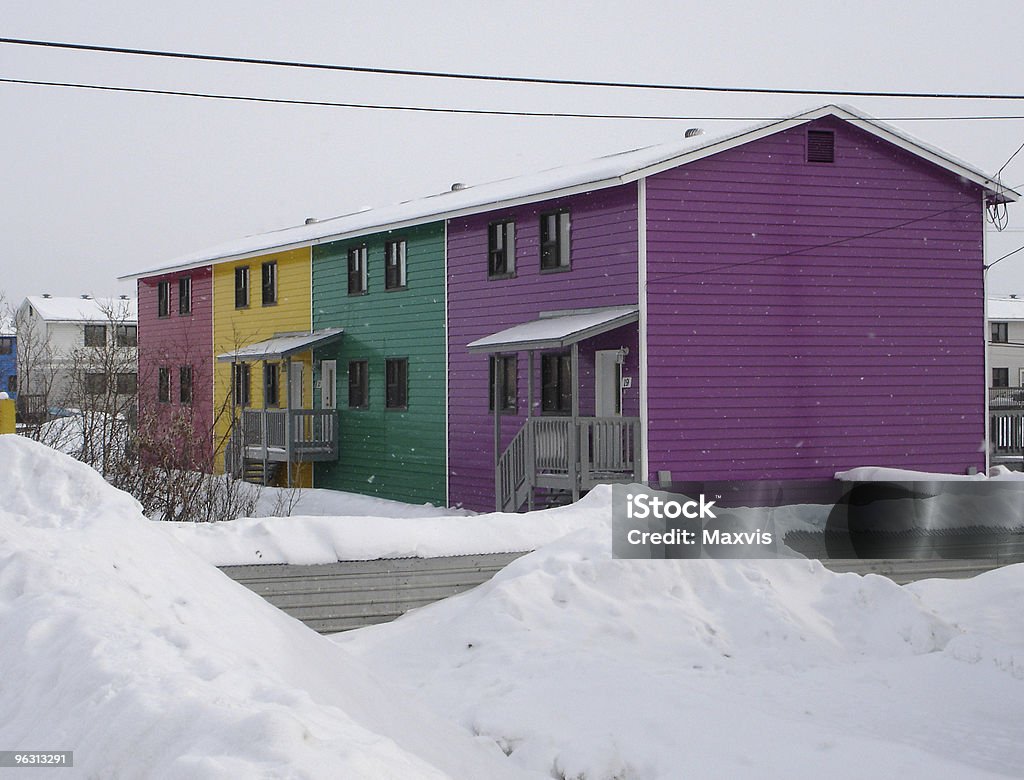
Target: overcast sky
[99,184]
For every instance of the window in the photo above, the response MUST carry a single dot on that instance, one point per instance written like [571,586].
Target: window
[394,265]
[6,345]
[556,384]
[501,249]
[240,383]
[185,384]
[241,287]
[358,385]
[271,384]
[126,384]
[95,384]
[12,384]
[95,335]
[1000,332]
[508,374]
[396,371]
[1000,377]
[269,275]
[821,146]
[127,335]
[163,299]
[163,387]
[357,270]
[185,295]
[554,241]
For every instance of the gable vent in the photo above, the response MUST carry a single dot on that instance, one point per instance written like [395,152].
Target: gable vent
[821,146]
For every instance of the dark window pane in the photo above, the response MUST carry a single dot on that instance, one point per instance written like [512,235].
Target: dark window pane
[127,335]
[95,335]
[501,252]
[397,376]
[394,265]
[1000,377]
[164,384]
[554,240]
[271,384]
[241,287]
[269,274]
[185,295]
[163,299]
[185,384]
[357,270]
[358,385]
[509,376]
[126,384]
[240,376]
[556,384]
[96,384]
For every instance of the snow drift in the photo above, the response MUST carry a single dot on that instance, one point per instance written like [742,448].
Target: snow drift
[118,643]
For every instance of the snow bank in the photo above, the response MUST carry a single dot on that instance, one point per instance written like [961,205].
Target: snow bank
[309,540]
[121,645]
[584,666]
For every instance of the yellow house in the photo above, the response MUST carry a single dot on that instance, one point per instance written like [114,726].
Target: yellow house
[263,380]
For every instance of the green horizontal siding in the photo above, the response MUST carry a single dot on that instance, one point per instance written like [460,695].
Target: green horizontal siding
[397,454]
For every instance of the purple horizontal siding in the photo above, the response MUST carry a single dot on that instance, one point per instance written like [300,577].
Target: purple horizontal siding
[604,273]
[791,334]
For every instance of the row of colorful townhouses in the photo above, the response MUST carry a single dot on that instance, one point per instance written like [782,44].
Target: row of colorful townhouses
[782,302]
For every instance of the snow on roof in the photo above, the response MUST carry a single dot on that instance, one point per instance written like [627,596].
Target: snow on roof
[283,345]
[7,327]
[607,171]
[557,330]
[67,309]
[1006,308]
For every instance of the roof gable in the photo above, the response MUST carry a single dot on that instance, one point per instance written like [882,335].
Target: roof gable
[608,171]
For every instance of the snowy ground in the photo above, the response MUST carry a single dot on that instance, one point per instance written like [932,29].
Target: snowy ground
[120,643]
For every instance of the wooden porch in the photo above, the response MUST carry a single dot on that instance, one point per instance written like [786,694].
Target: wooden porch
[296,435]
[571,454]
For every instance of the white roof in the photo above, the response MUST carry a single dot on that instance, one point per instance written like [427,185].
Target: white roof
[1006,309]
[58,309]
[556,330]
[282,345]
[612,170]
[7,327]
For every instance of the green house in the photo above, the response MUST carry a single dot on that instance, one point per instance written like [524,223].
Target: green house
[386,376]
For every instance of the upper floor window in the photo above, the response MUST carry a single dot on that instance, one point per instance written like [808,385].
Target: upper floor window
[396,372]
[127,335]
[556,383]
[1000,332]
[394,265]
[357,270]
[6,345]
[358,384]
[507,373]
[501,249]
[1000,377]
[185,295]
[163,299]
[241,287]
[95,335]
[269,274]
[185,384]
[554,241]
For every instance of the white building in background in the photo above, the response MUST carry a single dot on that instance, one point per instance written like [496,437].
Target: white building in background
[1006,342]
[58,334]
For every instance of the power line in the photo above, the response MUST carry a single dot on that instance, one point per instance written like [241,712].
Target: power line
[496,78]
[444,110]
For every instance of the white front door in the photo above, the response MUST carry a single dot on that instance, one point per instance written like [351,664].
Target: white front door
[295,394]
[328,384]
[607,383]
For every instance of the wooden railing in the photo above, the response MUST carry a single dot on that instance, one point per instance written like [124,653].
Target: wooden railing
[278,436]
[571,454]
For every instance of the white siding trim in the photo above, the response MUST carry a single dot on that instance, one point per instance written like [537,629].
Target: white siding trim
[987,378]
[641,211]
[447,374]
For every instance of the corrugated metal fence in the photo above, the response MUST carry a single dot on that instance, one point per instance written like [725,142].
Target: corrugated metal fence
[349,594]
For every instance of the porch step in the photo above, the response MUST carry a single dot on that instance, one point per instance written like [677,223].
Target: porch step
[256,473]
[548,498]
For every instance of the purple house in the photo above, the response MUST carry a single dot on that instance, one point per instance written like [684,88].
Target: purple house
[788,301]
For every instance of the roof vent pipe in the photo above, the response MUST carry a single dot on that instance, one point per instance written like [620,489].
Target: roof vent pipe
[310,220]
[458,186]
[124,297]
[47,295]
[84,296]
[693,132]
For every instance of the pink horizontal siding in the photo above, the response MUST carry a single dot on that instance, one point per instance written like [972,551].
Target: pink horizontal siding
[604,273]
[792,335]
[175,341]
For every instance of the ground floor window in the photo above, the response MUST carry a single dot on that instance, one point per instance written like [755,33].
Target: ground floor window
[508,373]
[126,384]
[185,384]
[396,371]
[358,385]
[556,383]
[271,384]
[163,384]
[240,377]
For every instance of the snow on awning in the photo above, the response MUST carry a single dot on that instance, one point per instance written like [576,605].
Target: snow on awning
[556,330]
[283,345]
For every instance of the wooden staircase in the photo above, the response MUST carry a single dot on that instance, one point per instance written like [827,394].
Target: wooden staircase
[258,472]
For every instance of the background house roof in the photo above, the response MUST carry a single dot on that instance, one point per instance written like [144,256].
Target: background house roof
[1003,309]
[7,327]
[67,309]
[611,170]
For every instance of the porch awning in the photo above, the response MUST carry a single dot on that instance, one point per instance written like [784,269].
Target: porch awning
[282,345]
[555,330]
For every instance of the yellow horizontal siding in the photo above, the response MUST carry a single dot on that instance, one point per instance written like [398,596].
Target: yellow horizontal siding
[234,328]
